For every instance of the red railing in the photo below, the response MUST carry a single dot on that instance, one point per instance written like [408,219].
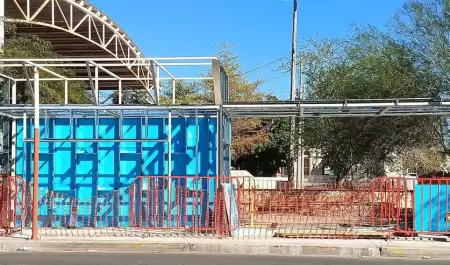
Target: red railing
[12,192]
[408,207]
[188,206]
[241,208]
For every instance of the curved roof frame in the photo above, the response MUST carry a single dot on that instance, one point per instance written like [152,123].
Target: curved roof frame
[83,20]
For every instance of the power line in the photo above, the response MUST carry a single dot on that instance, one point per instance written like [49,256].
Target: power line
[278,77]
[265,65]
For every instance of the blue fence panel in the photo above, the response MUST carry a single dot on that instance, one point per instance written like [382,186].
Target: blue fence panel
[432,207]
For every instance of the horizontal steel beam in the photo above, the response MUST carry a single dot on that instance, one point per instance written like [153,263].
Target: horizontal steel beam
[131,59]
[97,140]
[86,107]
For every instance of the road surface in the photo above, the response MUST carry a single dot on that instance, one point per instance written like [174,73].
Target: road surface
[16,258]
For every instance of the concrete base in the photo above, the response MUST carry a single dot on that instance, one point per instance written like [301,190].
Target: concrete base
[290,247]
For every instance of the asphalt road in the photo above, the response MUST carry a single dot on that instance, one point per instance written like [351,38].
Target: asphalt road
[7,258]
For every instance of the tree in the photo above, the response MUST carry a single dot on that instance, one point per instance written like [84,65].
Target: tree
[131,96]
[422,161]
[185,93]
[20,45]
[269,156]
[249,132]
[370,65]
[423,27]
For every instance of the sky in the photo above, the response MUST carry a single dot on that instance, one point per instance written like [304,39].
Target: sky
[260,30]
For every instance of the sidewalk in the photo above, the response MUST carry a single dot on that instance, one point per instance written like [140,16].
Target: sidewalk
[292,247]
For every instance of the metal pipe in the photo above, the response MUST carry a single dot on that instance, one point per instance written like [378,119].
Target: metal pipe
[124,64]
[169,169]
[96,85]
[98,140]
[120,92]
[21,107]
[88,107]
[24,166]
[36,156]
[197,135]
[156,84]
[112,79]
[173,91]
[66,92]
[146,125]
[13,130]
[110,59]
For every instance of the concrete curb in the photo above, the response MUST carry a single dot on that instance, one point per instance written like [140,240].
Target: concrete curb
[424,253]
[238,248]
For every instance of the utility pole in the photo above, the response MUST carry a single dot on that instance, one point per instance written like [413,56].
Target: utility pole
[297,163]
[300,156]
[294,54]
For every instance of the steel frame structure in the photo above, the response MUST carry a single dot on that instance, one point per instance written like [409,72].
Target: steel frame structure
[36,111]
[221,108]
[78,29]
[339,108]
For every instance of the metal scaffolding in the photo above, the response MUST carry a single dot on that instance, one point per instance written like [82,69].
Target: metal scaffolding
[221,109]
[37,112]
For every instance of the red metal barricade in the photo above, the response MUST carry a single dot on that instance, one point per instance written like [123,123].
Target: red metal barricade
[409,207]
[151,205]
[12,189]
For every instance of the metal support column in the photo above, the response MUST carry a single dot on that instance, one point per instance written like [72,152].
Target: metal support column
[97,93]
[66,92]
[173,91]
[13,130]
[169,170]
[220,142]
[36,156]
[197,136]
[156,87]
[120,92]
[25,135]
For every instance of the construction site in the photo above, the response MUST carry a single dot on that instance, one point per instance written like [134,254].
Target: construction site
[116,169]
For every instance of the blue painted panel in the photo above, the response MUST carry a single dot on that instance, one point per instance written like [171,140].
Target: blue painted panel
[131,129]
[212,148]
[85,130]
[178,135]
[192,159]
[108,154]
[64,157]
[86,179]
[432,207]
[19,148]
[153,152]
[89,169]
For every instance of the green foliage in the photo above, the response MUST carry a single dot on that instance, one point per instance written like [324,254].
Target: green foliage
[370,65]
[20,45]
[424,27]
[185,93]
[247,133]
[132,96]
[268,157]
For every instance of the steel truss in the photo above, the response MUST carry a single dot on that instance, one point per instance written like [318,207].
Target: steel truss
[78,29]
